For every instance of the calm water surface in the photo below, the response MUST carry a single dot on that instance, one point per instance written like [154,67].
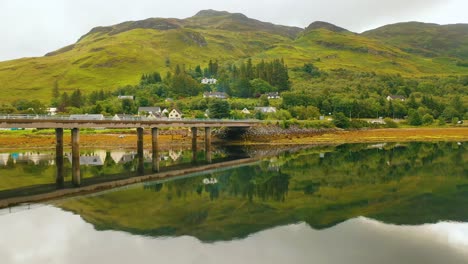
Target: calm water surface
[383,203]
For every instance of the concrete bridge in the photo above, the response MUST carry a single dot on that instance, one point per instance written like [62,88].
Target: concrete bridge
[59,123]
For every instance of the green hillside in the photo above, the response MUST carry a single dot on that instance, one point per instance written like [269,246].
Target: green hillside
[430,40]
[115,56]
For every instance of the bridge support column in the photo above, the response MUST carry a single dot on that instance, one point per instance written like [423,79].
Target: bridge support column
[194,144]
[208,144]
[141,159]
[59,177]
[76,175]
[154,140]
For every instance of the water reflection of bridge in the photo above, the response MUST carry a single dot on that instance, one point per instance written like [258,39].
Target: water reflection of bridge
[91,186]
[61,123]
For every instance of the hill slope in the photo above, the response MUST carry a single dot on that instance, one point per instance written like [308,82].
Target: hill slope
[109,57]
[431,40]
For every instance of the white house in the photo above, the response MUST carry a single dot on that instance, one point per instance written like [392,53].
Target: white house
[149,110]
[245,111]
[126,97]
[209,81]
[175,114]
[273,95]
[266,109]
[119,117]
[52,110]
[218,95]
[396,97]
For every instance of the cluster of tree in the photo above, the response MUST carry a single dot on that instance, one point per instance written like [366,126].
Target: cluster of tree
[363,95]
[249,80]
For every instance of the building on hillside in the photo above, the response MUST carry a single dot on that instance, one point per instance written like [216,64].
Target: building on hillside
[175,114]
[87,117]
[120,117]
[126,97]
[218,95]
[245,111]
[396,97]
[273,95]
[209,81]
[266,109]
[144,110]
[377,122]
[52,111]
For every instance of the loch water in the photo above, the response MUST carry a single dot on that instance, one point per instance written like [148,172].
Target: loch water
[352,203]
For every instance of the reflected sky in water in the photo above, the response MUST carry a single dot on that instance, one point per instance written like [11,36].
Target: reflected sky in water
[49,235]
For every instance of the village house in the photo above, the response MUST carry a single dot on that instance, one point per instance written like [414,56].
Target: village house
[209,81]
[266,109]
[273,95]
[142,110]
[119,117]
[218,95]
[396,97]
[175,114]
[51,111]
[245,111]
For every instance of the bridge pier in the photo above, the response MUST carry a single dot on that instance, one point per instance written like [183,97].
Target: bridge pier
[141,158]
[76,176]
[155,148]
[208,144]
[59,177]
[194,144]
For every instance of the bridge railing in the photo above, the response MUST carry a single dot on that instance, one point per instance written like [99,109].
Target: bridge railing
[113,118]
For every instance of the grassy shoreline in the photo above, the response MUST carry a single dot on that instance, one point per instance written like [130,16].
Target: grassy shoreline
[122,140]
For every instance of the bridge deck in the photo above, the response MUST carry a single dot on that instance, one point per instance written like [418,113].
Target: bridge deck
[64,122]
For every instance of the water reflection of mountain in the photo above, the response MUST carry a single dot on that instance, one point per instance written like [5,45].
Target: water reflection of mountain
[411,183]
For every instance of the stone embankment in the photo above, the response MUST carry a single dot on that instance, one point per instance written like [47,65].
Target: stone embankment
[268,133]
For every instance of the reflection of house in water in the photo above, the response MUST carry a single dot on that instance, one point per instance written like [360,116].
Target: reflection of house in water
[122,156]
[377,146]
[4,158]
[175,155]
[274,164]
[35,158]
[88,160]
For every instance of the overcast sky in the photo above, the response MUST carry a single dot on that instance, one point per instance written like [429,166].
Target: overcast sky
[33,28]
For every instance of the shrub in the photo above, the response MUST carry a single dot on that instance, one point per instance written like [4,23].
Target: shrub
[427,119]
[341,121]
[389,123]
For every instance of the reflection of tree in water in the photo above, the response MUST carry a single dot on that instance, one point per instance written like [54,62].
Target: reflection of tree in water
[255,181]
[155,187]
[35,169]
[249,182]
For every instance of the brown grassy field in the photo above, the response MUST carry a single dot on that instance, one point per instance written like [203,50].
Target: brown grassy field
[382,135]
[113,141]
